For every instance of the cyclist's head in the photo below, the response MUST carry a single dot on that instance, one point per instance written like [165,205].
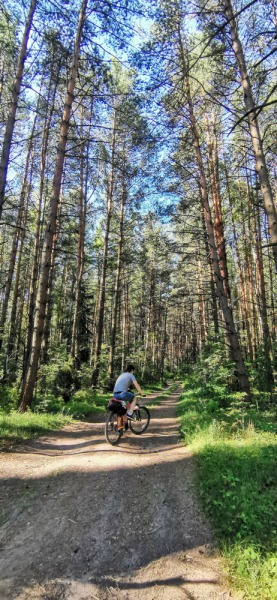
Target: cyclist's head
[129,369]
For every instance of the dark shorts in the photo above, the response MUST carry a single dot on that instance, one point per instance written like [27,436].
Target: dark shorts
[117,408]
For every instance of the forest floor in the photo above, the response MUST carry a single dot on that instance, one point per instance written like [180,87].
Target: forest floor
[82,520]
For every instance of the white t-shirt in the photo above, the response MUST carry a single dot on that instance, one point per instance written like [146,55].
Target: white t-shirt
[123,382]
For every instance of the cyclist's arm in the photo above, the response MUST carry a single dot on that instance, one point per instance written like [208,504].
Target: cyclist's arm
[138,387]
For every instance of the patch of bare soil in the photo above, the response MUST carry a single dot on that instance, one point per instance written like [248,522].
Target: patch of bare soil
[82,520]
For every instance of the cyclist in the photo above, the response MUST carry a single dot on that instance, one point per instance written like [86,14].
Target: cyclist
[124,381]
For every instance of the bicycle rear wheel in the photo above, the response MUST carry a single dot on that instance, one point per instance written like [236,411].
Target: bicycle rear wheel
[112,433]
[142,416]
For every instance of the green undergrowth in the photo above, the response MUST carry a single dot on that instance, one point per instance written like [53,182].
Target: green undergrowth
[50,412]
[156,401]
[15,427]
[236,451]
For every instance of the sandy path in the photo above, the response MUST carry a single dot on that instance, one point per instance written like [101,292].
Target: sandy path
[89,521]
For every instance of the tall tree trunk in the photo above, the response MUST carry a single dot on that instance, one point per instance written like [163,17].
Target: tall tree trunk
[123,353]
[60,326]
[100,320]
[13,107]
[227,312]
[34,274]
[242,288]
[81,242]
[260,162]
[216,197]
[16,236]
[248,280]
[149,318]
[49,299]
[2,70]
[163,350]
[266,334]
[12,334]
[116,287]
[94,322]
[80,254]
[29,383]
[20,311]
[211,273]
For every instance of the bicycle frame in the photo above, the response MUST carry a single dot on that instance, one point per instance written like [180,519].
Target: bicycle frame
[121,421]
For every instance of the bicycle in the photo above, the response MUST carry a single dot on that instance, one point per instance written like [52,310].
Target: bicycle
[115,425]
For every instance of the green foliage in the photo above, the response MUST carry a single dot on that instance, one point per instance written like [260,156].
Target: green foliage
[236,449]
[262,371]
[58,378]
[16,427]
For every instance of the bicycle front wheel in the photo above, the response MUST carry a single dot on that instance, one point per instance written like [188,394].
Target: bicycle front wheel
[142,416]
[112,433]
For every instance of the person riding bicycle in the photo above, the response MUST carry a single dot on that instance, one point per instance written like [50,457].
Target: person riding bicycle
[123,382]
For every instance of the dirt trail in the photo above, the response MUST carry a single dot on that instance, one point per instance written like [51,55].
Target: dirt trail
[88,521]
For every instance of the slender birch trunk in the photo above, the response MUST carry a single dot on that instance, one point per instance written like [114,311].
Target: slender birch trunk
[13,107]
[29,383]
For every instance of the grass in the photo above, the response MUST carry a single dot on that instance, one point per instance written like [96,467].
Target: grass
[236,453]
[15,427]
[49,413]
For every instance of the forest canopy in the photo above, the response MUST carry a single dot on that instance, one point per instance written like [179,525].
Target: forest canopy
[137,192]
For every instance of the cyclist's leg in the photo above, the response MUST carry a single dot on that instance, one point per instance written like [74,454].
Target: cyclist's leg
[130,397]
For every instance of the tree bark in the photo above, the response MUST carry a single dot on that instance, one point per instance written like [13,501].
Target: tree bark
[260,162]
[13,107]
[149,318]
[229,321]
[49,303]
[12,334]
[218,221]
[81,242]
[20,311]
[116,288]
[211,274]
[34,274]
[242,288]
[266,334]
[16,236]
[28,387]
[2,70]
[100,320]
